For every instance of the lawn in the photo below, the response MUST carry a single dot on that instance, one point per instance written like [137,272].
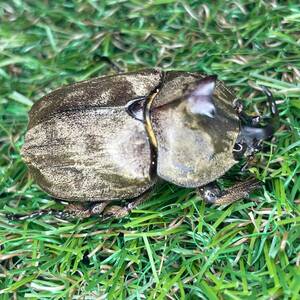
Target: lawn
[174,246]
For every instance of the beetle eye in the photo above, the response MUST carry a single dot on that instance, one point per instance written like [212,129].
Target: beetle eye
[200,101]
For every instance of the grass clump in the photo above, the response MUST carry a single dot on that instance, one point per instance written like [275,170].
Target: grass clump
[174,246]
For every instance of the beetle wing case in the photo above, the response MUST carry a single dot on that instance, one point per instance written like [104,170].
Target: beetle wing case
[82,145]
[193,150]
[107,91]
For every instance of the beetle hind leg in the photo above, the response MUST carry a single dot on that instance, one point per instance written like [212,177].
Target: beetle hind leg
[212,194]
[79,211]
[115,211]
[110,62]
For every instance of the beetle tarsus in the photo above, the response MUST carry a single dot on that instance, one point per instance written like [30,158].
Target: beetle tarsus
[40,213]
[70,211]
[32,215]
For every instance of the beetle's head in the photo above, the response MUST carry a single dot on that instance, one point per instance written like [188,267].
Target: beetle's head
[255,129]
[201,102]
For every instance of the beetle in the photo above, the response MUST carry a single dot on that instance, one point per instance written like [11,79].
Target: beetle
[114,137]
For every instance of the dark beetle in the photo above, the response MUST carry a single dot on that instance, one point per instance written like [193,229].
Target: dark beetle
[112,137]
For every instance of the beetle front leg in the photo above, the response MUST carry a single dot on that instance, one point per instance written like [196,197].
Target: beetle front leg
[212,194]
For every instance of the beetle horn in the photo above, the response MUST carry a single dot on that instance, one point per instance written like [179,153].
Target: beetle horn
[200,100]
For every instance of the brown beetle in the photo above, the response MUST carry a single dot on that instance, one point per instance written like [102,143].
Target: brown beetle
[111,138]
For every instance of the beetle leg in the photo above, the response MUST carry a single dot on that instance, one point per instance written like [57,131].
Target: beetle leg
[70,211]
[243,116]
[212,194]
[115,211]
[106,59]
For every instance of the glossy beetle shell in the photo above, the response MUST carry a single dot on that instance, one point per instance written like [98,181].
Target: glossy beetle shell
[83,145]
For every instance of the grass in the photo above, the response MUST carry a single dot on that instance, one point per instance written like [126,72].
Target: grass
[174,246]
